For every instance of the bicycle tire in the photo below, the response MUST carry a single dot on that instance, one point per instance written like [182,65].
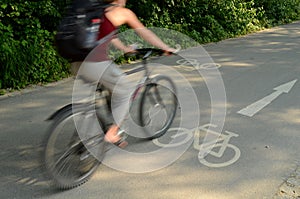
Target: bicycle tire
[158,106]
[67,168]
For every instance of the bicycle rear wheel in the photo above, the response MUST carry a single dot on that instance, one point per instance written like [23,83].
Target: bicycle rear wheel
[158,106]
[67,160]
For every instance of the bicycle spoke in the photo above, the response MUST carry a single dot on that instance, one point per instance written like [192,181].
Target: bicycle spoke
[158,107]
[61,166]
[67,159]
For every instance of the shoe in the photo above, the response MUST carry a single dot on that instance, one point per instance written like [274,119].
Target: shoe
[118,139]
[122,143]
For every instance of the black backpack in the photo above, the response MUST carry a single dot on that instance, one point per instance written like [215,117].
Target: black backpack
[78,31]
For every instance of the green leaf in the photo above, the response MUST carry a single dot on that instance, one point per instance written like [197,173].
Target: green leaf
[4,6]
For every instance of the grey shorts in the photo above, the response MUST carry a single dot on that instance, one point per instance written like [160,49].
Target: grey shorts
[108,74]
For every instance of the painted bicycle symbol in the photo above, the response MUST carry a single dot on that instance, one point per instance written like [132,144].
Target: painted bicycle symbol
[215,148]
[194,64]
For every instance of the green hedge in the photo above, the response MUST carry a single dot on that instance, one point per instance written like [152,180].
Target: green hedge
[28,55]
[214,20]
[27,52]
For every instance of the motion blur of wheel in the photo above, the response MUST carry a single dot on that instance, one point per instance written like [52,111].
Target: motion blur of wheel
[67,161]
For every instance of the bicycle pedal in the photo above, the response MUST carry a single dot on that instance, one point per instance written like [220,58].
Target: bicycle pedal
[84,156]
[122,135]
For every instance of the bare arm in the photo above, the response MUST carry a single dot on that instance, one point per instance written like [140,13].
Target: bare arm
[119,16]
[151,38]
[145,33]
[118,44]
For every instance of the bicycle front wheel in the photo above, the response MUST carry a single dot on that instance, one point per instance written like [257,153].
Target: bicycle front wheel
[158,106]
[67,160]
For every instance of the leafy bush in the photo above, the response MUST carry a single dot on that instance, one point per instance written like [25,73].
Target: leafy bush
[203,20]
[27,52]
[214,20]
[280,11]
[27,27]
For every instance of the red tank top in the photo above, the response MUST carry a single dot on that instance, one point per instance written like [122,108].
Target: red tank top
[100,53]
[106,28]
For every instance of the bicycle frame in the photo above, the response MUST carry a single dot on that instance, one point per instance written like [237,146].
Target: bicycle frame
[68,107]
[87,149]
[143,80]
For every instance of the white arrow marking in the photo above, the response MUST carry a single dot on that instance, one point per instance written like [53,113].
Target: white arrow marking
[260,104]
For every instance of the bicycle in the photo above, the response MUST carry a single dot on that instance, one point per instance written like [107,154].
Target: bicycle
[219,142]
[67,156]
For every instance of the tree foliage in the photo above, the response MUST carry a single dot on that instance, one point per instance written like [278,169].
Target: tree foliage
[214,20]
[28,54]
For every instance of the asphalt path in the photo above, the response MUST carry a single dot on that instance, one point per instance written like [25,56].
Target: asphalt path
[261,77]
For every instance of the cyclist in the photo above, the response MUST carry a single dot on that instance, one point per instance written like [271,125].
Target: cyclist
[98,65]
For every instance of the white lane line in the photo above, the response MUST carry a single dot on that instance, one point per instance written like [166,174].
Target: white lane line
[254,108]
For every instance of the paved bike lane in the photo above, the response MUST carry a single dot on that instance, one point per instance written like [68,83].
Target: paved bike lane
[263,97]
[264,146]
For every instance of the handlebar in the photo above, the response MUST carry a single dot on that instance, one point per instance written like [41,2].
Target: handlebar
[145,53]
